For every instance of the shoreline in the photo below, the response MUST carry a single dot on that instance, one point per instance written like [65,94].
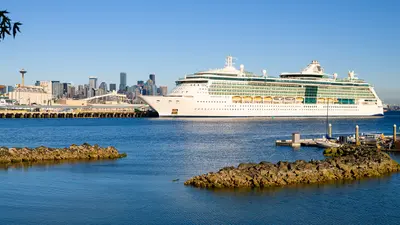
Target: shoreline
[344,163]
[45,154]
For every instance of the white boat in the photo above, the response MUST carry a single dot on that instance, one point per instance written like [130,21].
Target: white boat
[230,92]
[327,144]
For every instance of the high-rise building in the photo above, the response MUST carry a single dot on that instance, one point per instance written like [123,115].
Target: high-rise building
[153,78]
[57,89]
[92,86]
[122,81]
[163,90]
[93,82]
[150,88]
[113,87]
[65,88]
[86,91]
[103,86]
[71,91]
[81,92]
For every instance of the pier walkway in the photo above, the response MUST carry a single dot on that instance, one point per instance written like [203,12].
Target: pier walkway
[78,114]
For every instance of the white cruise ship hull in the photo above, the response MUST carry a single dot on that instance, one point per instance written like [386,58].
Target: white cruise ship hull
[222,106]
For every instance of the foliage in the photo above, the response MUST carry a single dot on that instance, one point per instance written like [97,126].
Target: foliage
[6,26]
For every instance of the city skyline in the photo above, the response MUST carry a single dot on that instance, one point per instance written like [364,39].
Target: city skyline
[171,42]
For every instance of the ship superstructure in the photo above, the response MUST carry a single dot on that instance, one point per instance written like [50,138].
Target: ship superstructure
[232,92]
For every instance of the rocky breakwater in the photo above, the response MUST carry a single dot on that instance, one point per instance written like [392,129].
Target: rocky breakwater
[344,163]
[74,152]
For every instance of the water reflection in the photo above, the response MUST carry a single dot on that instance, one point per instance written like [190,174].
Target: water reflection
[294,188]
[46,164]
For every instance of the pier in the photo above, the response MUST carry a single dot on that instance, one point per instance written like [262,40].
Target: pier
[381,141]
[78,114]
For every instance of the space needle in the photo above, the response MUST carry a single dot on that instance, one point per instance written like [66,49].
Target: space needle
[22,71]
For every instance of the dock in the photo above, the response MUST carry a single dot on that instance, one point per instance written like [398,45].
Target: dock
[381,141]
[77,114]
[301,142]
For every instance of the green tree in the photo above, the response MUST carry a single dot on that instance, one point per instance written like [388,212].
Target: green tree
[7,27]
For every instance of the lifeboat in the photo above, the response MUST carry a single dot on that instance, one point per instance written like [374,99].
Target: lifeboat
[321,100]
[258,99]
[236,99]
[289,100]
[247,99]
[267,99]
[299,100]
[331,100]
[277,99]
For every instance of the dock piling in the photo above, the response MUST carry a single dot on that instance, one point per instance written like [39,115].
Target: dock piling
[330,130]
[357,135]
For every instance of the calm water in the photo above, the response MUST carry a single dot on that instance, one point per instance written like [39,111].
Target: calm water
[139,189]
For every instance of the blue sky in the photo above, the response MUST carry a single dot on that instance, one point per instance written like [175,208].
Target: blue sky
[72,40]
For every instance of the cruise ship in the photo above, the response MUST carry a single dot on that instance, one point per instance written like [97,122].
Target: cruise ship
[231,92]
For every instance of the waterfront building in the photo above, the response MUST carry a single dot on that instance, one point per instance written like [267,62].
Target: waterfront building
[37,83]
[122,82]
[232,92]
[113,87]
[140,83]
[28,95]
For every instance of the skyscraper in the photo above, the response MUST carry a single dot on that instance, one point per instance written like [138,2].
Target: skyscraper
[93,82]
[113,87]
[92,86]
[153,78]
[65,88]
[103,86]
[122,81]
[57,89]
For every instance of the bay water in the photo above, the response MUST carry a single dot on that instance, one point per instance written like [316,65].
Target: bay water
[139,189]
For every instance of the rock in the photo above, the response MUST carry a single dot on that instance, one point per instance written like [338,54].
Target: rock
[346,162]
[85,151]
